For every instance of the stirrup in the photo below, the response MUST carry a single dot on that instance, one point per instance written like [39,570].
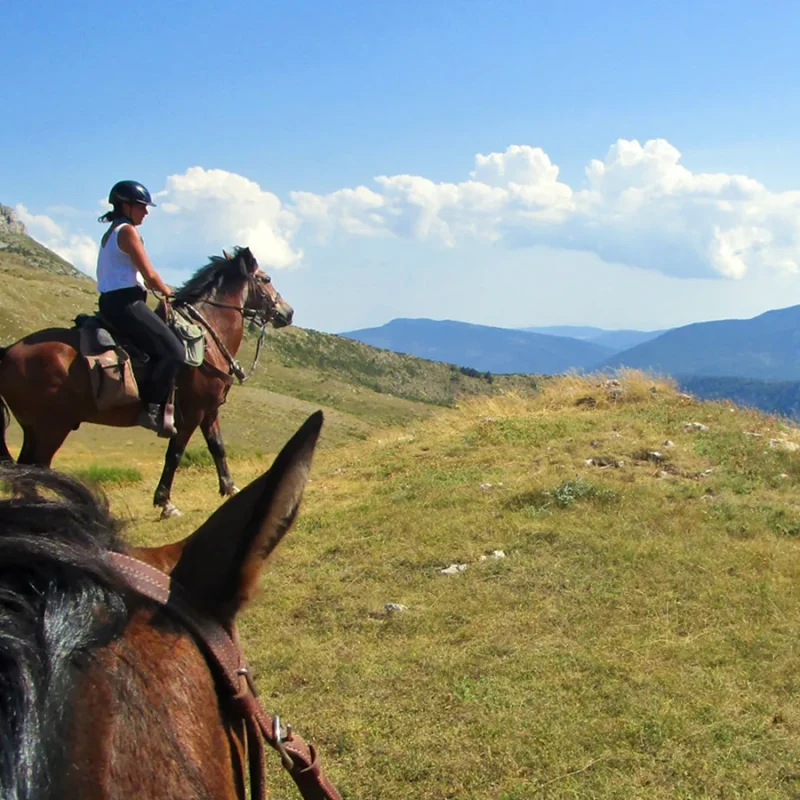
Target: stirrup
[167,428]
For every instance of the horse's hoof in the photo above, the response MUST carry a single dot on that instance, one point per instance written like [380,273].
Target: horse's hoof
[234,490]
[169,510]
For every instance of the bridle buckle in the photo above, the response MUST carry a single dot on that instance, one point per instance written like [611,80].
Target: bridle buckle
[280,739]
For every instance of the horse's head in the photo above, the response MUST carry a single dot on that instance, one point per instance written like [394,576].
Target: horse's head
[127,703]
[263,299]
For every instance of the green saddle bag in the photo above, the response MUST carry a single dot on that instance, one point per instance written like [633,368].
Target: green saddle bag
[193,338]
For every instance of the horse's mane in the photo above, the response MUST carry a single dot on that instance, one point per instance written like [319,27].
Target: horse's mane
[59,600]
[208,278]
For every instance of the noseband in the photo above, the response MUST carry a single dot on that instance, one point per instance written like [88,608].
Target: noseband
[225,657]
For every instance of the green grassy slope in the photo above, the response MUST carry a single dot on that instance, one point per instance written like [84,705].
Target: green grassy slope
[39,289]
[638,640]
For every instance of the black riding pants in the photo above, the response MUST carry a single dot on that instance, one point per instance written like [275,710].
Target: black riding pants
[128,311]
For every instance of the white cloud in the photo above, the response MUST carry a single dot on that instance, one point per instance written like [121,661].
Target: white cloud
[220,209]
[77,248]
[639,207]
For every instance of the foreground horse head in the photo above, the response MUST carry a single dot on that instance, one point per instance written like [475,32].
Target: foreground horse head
[120,670]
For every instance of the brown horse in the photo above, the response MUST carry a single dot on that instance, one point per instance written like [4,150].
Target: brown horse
[121,675]
[46,384]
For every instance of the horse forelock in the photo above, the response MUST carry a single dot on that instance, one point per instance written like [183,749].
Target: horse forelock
[59,601]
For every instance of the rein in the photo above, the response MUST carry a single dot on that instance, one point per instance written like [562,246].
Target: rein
[224,654]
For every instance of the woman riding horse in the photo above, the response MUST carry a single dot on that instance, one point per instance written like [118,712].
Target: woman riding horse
[123,272]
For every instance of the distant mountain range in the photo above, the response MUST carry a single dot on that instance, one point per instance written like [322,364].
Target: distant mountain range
[614,340]
[483,348]
[766,347]
[752,361]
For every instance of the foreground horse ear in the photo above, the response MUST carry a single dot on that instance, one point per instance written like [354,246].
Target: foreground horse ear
[227,255]
[219,564]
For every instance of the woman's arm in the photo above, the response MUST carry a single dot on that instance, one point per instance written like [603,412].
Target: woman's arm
[131,243]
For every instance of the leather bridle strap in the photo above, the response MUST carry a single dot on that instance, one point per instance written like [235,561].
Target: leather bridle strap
[223,652]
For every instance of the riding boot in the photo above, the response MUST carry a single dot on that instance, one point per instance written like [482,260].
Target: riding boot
[150,417]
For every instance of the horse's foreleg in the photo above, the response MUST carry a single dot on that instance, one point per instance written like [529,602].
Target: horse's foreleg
[177,445]
[213,434]
[40,445]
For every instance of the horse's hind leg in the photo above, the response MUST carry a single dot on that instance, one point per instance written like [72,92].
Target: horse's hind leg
[213,435]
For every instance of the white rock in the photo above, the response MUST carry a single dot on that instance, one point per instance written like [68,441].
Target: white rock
[453,569]
[784,444]
[668,443]
[695,426]
[494,554]
[392,607]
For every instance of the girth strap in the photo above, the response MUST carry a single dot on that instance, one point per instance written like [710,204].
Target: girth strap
[221,649]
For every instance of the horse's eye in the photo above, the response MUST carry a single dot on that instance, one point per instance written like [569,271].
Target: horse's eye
[266,279]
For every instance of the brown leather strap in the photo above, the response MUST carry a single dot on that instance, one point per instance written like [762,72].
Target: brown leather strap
[207,368]
[298,757]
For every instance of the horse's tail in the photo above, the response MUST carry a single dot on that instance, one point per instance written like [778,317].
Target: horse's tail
[5,456]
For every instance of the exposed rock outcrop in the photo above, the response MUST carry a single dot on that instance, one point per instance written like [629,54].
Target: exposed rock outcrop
[9,222]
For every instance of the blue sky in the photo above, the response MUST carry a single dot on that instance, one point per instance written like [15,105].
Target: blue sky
[258,122]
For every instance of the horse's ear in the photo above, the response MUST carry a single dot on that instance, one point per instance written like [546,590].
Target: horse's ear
[248,260]
[227,255]
[219,564]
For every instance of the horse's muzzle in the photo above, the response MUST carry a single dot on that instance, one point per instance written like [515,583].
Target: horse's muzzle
[283,315]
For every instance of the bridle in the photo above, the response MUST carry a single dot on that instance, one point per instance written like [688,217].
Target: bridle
[225,657]
[263,314]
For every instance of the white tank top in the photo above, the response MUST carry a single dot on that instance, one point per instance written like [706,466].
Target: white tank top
[115,269]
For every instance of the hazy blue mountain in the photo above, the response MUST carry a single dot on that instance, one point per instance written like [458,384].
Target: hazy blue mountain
[775,397]
[624,340]
[571,331]
[616,341]
[765,347]
[481,347]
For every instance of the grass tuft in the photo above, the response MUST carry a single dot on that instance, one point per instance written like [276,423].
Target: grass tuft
[108,476]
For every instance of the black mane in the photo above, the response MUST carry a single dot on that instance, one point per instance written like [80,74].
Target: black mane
[59,600]
[210,277]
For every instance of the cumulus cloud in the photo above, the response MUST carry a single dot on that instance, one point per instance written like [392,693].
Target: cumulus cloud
[220,208]
[639,206]
[77,248]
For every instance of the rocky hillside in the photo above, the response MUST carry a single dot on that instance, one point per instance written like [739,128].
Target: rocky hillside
[17,249]
[38,288]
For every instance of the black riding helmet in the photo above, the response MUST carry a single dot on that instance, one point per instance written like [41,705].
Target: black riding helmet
[129,192]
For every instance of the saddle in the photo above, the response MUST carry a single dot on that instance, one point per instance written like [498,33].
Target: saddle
[117,366]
